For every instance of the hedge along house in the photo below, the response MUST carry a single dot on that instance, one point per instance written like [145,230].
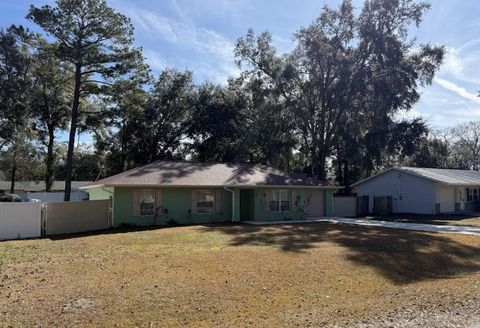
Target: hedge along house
[188,193]
[424,190]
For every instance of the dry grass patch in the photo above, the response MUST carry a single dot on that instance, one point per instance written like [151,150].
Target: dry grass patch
[226,275]
[439,219]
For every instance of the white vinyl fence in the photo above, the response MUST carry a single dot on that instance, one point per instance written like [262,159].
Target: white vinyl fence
[20,220]
[345,206]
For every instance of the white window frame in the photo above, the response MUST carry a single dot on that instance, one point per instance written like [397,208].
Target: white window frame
[141,201]
[280,196]
[202,209]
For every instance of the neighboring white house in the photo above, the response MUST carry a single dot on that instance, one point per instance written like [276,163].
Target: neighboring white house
[424,190]
[36,190]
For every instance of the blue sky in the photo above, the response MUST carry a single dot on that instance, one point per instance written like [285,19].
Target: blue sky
[200,35]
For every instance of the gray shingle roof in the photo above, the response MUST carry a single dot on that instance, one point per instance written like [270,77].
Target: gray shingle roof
[181,173]
[446,176]
[40,185]
[443,176]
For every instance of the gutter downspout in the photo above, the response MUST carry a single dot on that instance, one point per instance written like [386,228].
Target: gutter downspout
[233,202]
[111,210]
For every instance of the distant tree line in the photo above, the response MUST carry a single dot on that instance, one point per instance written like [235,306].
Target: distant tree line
[327,109]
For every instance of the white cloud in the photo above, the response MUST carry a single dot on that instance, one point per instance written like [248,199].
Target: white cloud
[469,44]
[462,63]
[230,9]
[155,60]
[453,97]
[282,45]
[210,45]
[462,92]
[453,63]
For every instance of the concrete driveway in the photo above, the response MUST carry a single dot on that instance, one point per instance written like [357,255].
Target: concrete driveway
[382,224]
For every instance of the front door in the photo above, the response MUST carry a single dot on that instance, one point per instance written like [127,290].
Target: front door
[247,205]
[314,203]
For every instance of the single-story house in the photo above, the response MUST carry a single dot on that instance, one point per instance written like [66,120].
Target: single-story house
[186,192]
[424,190]
[36,190]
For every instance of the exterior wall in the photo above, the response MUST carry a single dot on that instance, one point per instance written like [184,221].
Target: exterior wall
[329,210]
[298,208]
[410,194]
[454,199]
[445,196]
[177,204]
[314,202]
[296,212]
[100,193]
[236,204]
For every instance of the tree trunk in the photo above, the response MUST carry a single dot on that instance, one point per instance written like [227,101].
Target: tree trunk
[314,162]
[50,159]
[346,177]
[124,148]
[73,130]
[14,171]
[321,163]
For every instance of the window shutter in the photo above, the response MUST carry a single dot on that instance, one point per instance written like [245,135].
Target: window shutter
[293,196]
[159,201]
[218,200]
[194,201]
[136,202]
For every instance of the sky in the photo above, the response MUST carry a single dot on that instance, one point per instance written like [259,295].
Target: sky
[199,35]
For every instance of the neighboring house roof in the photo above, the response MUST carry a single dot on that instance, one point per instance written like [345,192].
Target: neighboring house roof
[40,185]
[182,173]
[443,176]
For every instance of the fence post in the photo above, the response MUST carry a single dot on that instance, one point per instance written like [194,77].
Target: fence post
[44,219]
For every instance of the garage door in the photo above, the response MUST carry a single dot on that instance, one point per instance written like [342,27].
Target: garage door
[446,198]
[314,203]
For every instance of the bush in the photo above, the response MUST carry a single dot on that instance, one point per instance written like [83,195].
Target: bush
[8,198]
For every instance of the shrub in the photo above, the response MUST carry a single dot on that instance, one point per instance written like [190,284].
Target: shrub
[8,198]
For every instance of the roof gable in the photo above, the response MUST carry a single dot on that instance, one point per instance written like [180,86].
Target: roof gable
[182,173]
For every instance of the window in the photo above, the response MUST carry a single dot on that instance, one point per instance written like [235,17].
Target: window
[475,194]
[280,201]
[469,195]
[147,202]
[205,201]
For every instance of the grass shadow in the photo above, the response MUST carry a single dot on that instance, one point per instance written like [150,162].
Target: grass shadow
[112,231]
[400,255]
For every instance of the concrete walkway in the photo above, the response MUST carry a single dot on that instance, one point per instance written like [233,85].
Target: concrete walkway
[381,224]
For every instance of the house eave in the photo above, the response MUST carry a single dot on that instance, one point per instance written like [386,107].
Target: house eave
[399,169]
[213,186]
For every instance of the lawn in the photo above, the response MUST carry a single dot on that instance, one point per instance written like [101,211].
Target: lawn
[439,219]
[234,276]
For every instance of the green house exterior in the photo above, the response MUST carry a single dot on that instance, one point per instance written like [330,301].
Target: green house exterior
[232,203]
